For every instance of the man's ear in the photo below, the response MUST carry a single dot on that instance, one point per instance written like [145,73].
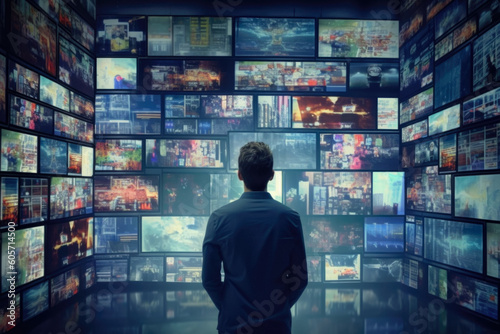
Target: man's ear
[239,175]
[272,176]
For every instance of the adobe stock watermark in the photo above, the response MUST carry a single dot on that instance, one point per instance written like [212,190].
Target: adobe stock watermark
[293,278]
[11,273]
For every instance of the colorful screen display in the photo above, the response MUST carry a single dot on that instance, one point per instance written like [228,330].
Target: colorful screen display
[70,197]
[202,36]
[118,155]
[427,190]
[384,234]
[116,235]
[195,153]
[477,196]
[19,152]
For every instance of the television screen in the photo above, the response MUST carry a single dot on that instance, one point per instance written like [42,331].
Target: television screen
[69,242]
[29,256]
[414,235]
[408,156]
[64,286]
[444,120]
[453,78]
[477,196]
[184,269]
[448,153]
[476,295]
[81,106]
[222,126]
[146,269]
[160,36]
[30,115]
[226,106]
[411,273]
[10,200]
[54,94]
[414,131]
[417,106]
[73,128]
[116,235]
[482,107]
[314,269]
[426,152]
[85,7]
[3,83]
[274,37]
[449,16]
[128,114]
[383,269]
[202,36]
[195,153]
[123,35]
[19,152]
[329,193]
[359,151]
[291,76]
[477,148]
[226,188]
[342,302]
[333,112]
[49,7]
[111,269]
[38,33]
[331,235]
[274,111]
[76,68]
[126,193]
[183,106]
[290,150]
[35,300]
[187,126]
[387,118]
[116,73]
[374,77]
[80,30]
[434,7]
[23,80]
[34,200]
[70,197]
[173,234]
[488,14]
[417,61]
[384,234]
[342,267]
[358,38]
[427,190]
[437,282]
[53,156]
[411,24]
[118,155]
[75,159]
[87,161]
[454,243]
[493,250]
[388,193]
[443,47]
[182,75]
[186,194]
[89,277]
[464,32]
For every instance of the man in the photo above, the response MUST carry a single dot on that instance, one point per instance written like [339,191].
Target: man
[260,244]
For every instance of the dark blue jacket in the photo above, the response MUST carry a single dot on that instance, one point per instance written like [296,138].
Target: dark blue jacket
[260,243]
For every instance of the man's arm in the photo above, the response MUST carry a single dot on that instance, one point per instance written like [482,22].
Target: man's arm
[212,259]
[297,275]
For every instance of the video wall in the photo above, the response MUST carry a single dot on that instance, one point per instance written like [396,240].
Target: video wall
[120,136]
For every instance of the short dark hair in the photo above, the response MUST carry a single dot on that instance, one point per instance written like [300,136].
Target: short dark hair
[255,164]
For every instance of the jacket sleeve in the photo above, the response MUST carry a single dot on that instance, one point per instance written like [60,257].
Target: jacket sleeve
[297,274]
[211,276]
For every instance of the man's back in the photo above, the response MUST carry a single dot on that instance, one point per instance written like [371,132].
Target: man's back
[261,245]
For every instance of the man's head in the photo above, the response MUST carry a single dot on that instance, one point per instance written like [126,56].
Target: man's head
[255,165]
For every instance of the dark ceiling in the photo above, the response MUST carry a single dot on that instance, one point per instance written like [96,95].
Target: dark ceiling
[361,9]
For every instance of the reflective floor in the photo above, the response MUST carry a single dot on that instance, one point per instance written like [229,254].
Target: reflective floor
[116,309]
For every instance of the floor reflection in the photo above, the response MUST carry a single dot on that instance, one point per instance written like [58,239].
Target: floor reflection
[321,310]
